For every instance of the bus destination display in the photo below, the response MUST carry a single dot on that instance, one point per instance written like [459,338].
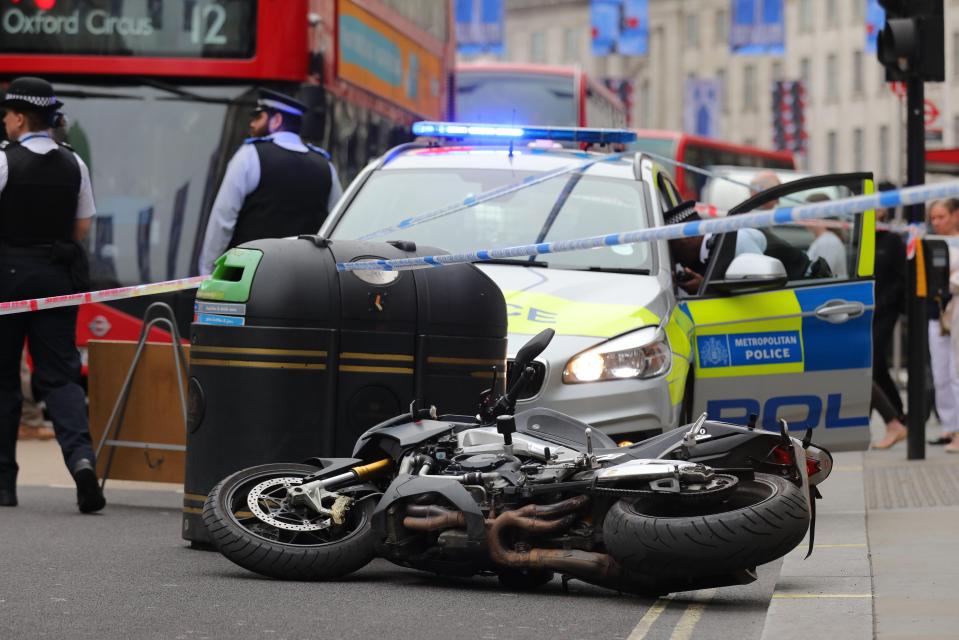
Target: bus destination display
[143,28]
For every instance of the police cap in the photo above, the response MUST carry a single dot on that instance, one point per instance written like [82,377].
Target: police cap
[683,212]
[275,101]
[33,94]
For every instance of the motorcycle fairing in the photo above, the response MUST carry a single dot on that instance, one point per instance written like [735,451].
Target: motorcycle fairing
[403,435]
[560,428]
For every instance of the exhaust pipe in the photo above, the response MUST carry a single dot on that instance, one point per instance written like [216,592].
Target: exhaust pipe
[600,569]
[431,517]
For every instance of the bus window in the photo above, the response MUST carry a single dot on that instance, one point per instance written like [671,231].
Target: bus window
[601,112]
[152,193]
[512,98]
[664,147]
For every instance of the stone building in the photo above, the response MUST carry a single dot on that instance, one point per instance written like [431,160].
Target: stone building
[853,118]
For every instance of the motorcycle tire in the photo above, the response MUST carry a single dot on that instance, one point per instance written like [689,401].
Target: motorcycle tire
[256,545]
[762,520]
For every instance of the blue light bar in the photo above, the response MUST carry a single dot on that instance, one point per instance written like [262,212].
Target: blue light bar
[487,132]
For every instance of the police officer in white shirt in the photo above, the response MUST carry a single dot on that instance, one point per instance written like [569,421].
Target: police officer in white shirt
[46,207]
[275,185]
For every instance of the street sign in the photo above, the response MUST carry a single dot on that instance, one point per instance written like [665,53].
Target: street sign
[933,116]
[931,113]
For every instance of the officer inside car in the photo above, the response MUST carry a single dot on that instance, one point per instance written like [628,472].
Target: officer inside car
[691,253]
[275,185]
[46,208]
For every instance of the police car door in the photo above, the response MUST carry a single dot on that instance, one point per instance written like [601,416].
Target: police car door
[802,351]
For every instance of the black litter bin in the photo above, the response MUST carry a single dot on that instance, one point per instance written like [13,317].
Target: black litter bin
[290,359]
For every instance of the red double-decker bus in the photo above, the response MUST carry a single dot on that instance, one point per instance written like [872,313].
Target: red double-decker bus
[703,153]
[506,93]
[158,95]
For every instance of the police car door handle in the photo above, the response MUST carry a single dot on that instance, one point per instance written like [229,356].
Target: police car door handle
[839,311]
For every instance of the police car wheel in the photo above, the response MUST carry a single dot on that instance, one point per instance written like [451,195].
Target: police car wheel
[267,536]
[762,520]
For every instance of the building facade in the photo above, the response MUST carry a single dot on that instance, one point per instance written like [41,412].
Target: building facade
[853,118]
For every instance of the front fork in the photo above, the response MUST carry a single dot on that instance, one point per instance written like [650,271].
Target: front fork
[311,494]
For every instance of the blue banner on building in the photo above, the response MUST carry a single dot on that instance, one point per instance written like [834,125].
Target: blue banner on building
[875,18]
[758,27]
[620,26]
[479,26]
[701,107]
[606,18]
[634,40]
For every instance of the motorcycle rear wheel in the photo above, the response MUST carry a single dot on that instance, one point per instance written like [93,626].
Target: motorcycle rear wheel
[762,520]
[288,545]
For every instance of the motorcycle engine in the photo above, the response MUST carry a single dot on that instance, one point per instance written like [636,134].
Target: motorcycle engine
[482,463]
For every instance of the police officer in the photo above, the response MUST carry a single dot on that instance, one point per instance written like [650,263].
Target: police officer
[691,253]
[46,207]
[275,185]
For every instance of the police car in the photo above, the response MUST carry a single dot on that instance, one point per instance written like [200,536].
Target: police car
[633,354]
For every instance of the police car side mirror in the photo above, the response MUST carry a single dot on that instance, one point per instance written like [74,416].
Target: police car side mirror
[752,272]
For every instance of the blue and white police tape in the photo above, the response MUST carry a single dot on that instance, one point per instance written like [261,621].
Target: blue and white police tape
[780,215]
[486,196]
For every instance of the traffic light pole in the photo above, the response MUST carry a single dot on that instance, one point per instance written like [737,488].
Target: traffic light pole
[916,307]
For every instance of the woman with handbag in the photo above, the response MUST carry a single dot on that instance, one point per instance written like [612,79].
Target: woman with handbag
[943,216]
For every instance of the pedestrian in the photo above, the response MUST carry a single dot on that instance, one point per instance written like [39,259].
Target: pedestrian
[275,185]
[895,429]
[794,260]
[33,426]
[46,207]
[890,295]
[942,219]
[826,243]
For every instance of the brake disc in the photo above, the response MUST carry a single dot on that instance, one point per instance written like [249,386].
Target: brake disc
[275,510]
[717,486]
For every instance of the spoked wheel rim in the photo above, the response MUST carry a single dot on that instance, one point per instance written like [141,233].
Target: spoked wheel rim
[260,505]
[268,501]
[739,495]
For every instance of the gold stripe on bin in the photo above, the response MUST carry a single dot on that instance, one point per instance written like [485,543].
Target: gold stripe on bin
[355,368]
[259,351]
[393,357]
[252,364]
[192,510]
[194,496]
[452,360]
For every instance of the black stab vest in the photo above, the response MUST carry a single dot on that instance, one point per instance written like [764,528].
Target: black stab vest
[38,205]
[291,198]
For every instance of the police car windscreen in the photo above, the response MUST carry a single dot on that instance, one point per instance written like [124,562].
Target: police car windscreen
[545,212]
[516,98]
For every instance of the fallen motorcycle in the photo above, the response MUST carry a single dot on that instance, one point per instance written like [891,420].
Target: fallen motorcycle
[527,495]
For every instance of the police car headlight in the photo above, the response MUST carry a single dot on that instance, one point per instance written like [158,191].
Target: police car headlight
[640,354]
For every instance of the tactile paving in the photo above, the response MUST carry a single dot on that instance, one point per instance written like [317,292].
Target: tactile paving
[912,486]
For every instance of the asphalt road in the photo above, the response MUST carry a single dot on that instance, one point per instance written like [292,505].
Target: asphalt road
[126,573]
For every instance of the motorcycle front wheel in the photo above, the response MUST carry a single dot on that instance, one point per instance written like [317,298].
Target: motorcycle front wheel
[253,524]
[761,520]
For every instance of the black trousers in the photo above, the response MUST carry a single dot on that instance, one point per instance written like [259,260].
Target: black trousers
[882,329]
[51,335]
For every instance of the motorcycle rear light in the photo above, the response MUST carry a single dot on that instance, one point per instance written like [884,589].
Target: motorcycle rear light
[818,461]
[822,460]
[781,455]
